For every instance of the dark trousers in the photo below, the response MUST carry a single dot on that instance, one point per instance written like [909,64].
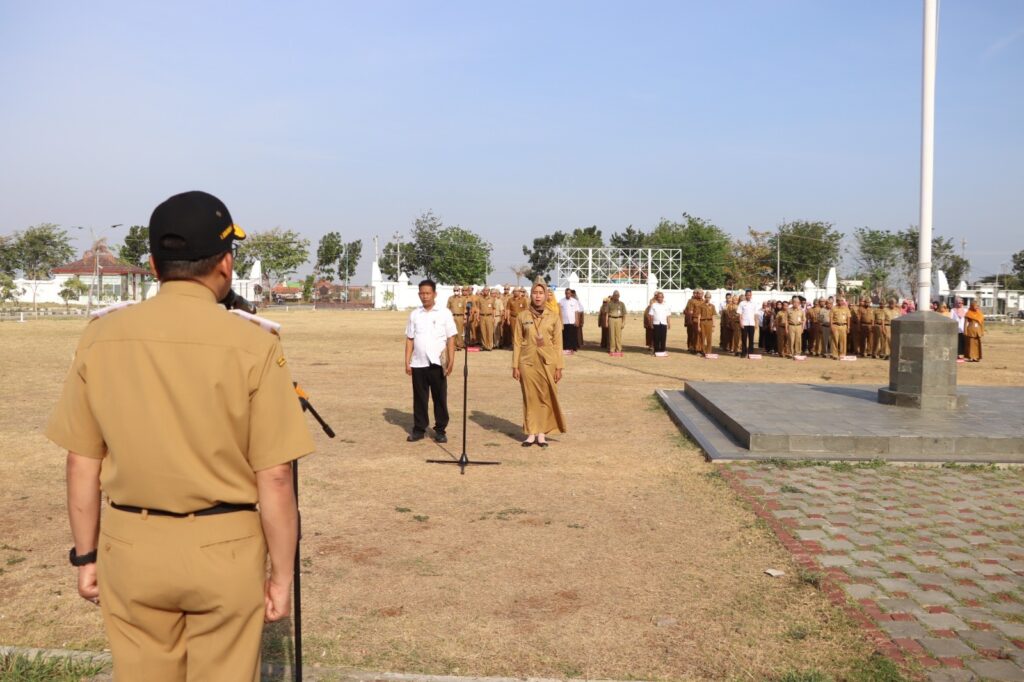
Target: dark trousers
[660,333]
[570,337]
[748,340]
[429,382]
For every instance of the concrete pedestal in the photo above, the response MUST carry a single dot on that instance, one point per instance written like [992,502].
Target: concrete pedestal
[922,365]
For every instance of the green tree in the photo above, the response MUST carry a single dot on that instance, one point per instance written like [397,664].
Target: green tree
[878,255]
[630,238]
[38,250]
[808,249]
[307,288]
[1017,261]
[350,256]
[279,251]
[8,255]
[585,237]
[8,290]
[460,256]
[328,253]
[944,257]
[135,249]
[705,251]
[395,251]
[752,263]
[74,288]
[542,255]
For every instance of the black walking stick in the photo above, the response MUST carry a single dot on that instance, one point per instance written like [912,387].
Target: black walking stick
[463,461]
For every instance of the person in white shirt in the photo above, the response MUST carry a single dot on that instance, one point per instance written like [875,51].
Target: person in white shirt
[570,307]
[959,315]
[748,311]
[429,359]
[659,313]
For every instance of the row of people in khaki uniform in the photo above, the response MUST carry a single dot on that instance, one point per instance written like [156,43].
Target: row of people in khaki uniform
[490,314]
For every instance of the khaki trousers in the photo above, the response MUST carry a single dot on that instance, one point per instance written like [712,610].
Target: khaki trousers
[614,334]
[794,332]
[182,599]
[839,342]
[460,325]
[884,341]
[487,331]
[707,328]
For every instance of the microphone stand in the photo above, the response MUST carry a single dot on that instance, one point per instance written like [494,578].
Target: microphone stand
[464,461]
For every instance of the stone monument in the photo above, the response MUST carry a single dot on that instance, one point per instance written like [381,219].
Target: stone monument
[922,365]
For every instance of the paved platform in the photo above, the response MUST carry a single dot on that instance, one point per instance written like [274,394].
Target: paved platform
[929,560]
[737,421]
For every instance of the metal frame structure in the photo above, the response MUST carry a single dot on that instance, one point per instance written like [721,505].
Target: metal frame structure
[611,265]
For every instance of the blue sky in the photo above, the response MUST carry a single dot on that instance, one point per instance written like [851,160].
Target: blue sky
[513,119]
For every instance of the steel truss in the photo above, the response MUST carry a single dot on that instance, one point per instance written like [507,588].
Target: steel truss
[610,265]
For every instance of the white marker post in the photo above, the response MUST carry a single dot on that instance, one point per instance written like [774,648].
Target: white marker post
[924,263]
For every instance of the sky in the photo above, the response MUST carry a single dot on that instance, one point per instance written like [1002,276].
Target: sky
[512,119]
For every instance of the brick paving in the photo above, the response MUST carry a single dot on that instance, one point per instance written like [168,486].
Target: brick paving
[930,561]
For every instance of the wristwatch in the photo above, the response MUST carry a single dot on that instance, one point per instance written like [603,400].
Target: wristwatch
[82,560]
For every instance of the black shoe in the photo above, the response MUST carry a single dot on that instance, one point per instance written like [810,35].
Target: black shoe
[527,443]
[440,438]
[542,445]
[413,437]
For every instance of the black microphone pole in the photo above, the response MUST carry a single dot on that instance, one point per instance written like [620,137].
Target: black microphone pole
[463,461]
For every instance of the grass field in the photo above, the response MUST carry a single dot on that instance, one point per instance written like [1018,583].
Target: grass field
[615,553]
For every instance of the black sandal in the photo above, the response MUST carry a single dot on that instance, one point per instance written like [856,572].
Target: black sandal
[526,443]
[542,445]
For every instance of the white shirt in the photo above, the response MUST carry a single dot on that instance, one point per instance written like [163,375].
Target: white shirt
[748,313]
[959,318]
[659,313]
[570,306]
[429,331]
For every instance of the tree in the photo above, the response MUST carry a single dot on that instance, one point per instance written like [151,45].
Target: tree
[878,254]
[135,247]
[519,271]
[395,251]
[280,252]
[350,256]
[307,288]
[807,249]
[8,290]
[944,258]
[542,255]
[585,237]
[705,251]
[38,250]
[1017,261]
[328,253]
[752,263]
[460,256]
[630,238]
[74,288]
[8,255]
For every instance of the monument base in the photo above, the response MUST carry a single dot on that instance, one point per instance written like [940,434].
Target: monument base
[888,396]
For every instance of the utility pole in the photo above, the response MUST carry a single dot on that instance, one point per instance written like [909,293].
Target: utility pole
[924,263]
[778,258]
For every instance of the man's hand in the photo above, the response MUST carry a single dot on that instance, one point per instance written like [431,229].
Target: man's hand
[88,587]
[448,369]
[515,373]
[278,600]
[558,375]
[408,369]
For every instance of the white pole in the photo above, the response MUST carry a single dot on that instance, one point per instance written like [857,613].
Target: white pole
[778,259]
[924,263]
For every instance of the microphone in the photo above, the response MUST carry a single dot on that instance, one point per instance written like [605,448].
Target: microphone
[235,302]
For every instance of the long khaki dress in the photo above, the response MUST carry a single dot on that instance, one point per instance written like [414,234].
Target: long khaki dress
[537,365]
[974,329]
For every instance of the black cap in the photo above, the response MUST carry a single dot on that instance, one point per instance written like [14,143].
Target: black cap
[198,225]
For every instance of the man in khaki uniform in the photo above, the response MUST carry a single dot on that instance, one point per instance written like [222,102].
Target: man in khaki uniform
[854,330]
[826,341]
[486,312]
[691,318]
[735,327]
[840,325]
[706,315]
[457,307]
[602,321]
[724,325]
[782,331]
[888,314]
[184,416]
[795,325]
[865,323]
[499,316]
[814,318]
[616,321]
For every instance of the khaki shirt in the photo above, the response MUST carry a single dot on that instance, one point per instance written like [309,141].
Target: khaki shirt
[499,306]
[616,309]
[525,349]
[457,305]
[707,311]
[691,313]
[517,305]
[486,306]
[182,401]
[795,316]
[880,316]
[840,316]
[888,315]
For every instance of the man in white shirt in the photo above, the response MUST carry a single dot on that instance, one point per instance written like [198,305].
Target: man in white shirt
[570,307]
[429,359]
[748,320]
[659,313]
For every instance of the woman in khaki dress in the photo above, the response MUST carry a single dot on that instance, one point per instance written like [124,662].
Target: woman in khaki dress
[537,364]
[974,329]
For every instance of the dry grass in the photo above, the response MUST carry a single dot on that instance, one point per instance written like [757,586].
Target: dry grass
[612,554]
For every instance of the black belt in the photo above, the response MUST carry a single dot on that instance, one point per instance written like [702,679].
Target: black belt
[616,317]
[222,508]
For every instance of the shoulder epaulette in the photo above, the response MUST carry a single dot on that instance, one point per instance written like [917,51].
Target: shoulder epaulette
[97,314]
[262,322]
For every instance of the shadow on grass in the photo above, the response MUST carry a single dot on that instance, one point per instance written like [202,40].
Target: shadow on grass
[398,418]
[490,422]
[278,650]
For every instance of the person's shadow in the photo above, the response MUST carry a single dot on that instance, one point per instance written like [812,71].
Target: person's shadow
[278,651]
[490,422]
[398,418]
